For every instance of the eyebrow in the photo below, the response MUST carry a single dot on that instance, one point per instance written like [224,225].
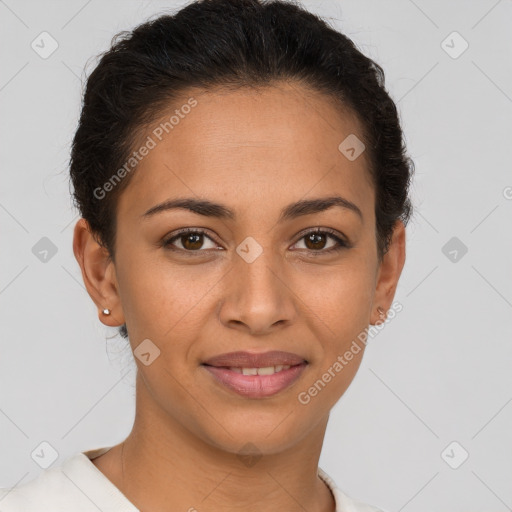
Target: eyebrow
[210,209]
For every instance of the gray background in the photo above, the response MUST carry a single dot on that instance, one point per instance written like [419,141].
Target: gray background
[439,372]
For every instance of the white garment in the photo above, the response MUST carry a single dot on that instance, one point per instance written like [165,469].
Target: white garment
[77,485]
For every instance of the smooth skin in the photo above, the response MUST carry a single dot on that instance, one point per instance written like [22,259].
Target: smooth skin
[255,151]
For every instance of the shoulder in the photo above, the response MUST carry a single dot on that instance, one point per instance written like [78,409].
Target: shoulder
[49,491]
[73,485]
[344,502]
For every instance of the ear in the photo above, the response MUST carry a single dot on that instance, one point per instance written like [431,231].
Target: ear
[98,273]
[389,273]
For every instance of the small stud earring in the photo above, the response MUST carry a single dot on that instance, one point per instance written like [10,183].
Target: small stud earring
[106,311]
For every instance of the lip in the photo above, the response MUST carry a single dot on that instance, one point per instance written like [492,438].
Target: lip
[256,386]
[244,359]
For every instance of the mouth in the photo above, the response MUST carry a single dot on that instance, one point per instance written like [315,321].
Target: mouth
[256,382]
[251,360]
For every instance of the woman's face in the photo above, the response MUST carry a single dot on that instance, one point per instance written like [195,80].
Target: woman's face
[256,280]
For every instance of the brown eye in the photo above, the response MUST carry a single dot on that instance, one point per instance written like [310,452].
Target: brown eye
[317,241]
[190,240]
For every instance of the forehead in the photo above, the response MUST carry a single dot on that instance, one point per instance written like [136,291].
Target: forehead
[249,144]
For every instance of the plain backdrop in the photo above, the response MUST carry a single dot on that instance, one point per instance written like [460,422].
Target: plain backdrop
[427,422]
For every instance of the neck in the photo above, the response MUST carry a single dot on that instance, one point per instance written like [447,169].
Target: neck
[164,466]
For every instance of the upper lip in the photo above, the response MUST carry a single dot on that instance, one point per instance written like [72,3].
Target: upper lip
[255,360]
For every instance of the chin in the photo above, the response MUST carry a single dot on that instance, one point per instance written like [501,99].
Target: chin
[255,433]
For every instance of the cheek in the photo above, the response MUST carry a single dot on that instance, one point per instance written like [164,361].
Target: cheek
[144,288]
[340,295]
[340,302]
[160,300]
[341,315]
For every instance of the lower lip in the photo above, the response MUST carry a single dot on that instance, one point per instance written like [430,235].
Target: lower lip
[256,386]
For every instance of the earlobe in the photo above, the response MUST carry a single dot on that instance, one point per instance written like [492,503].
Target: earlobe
[98,274]
[389,272]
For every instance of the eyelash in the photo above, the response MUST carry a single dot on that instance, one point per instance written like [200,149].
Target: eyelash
[340,243]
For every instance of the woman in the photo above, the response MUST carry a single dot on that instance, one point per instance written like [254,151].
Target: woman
[243,185]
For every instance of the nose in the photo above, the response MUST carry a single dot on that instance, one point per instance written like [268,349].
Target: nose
[258,298]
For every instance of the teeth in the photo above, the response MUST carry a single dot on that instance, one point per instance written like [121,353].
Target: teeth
[269,370]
